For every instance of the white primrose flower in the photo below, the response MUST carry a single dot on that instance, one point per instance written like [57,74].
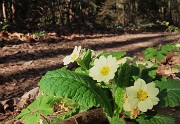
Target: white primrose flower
[142,95]
[177,45]
[104,68]
[71,58]
[124,60]
[146,64]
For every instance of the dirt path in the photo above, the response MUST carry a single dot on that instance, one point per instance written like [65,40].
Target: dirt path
[22,64]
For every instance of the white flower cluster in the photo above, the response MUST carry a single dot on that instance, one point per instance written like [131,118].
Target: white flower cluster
[139,97]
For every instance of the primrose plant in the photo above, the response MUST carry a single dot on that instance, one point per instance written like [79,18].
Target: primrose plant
[126,89]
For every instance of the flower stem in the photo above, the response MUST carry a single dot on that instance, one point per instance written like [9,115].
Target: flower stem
[140,72]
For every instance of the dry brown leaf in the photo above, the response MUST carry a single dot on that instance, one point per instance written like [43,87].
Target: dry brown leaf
[28,63]
[166,70]
[170,71]
[13,121]
[4,34]
[172,58]
[27,98]
[8,105]
[16,36]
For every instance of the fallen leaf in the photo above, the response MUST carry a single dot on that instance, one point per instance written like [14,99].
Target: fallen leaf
[166,70]
[27,98]
[172,59]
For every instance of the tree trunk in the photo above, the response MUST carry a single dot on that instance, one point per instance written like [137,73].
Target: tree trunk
[4,11]
[178,1]
[13,10]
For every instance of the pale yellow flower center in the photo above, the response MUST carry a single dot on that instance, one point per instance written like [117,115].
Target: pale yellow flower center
[105,70]
[119,58]
[74,56]
[142,95]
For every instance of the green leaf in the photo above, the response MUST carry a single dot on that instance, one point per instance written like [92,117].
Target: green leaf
[32,119]
[150,50]
[118,96]
[85,61]
[159,57]
[79,87]
[149,56]
[81,70]
[169,93]
[87,58]
[42,105]
[150,53]
[103,54]
[124,75]
[114,54]
[24,113]
[116,120]
[155,118]
[149,74]
[5,27]
[167,48]
[118,54]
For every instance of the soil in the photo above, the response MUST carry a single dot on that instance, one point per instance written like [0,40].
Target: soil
[23,63]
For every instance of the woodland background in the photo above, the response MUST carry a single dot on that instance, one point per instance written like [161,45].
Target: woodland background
[88,14]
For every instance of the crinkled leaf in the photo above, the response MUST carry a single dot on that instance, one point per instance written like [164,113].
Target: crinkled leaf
[87,58]
[124,75]
[155,118]
[149,74]
[79,87]
[118,96]
[42,105]
[116,120]
[169,93]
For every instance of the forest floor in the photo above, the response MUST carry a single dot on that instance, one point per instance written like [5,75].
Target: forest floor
[25,59]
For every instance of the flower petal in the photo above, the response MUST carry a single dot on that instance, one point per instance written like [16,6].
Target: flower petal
[66,60]
[131,91]
[133,102]
[155,100]
[151,90]
[139,84]
[145,105]
[126,106]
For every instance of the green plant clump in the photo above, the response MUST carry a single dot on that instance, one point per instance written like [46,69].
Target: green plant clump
[117,83]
